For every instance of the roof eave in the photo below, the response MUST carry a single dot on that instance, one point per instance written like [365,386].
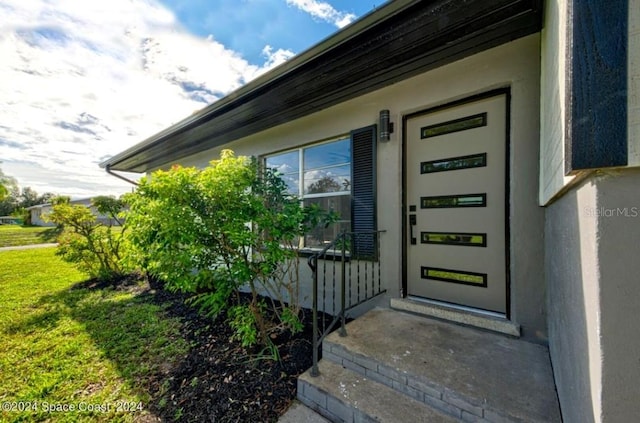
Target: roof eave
[395,42]
[352,30]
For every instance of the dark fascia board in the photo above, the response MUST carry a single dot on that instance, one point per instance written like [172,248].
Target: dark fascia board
[398,41]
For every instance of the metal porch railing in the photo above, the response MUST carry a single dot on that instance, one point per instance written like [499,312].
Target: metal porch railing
[354,259]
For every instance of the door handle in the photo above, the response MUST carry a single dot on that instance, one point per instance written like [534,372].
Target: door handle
[413,220]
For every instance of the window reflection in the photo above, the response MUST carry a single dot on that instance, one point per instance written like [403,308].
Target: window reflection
[340,204]
[288,167]
[321,175]
[329,154]
[284,163]
[334,179]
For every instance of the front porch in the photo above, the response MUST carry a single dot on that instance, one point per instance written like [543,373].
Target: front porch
[395,367]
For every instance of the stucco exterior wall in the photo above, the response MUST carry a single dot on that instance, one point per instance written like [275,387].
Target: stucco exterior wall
[572,274]
[514,65]
[618,257]
[591,262]
[594,298]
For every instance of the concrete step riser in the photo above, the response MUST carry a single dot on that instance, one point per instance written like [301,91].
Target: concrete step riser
[434,396]
[342,395]
[328,405]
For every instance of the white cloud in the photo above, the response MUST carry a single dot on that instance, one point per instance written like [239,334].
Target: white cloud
[324,11]
[80,81]
[275,58]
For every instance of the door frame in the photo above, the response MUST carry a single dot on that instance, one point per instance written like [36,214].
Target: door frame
[506,91]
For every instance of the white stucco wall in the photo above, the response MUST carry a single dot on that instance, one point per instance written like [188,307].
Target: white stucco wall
[514,65]
[619,267]
[591,268]
[572,273]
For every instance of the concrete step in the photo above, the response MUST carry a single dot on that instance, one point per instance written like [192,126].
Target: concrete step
[471,374]
[342,395]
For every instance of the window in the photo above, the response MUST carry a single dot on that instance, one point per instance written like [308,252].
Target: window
[319,174]
[337,175]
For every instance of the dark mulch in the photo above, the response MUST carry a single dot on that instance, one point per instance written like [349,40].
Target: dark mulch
[219,380]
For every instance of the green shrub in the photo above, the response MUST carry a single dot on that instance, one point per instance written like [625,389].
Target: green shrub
[215,232]
[95,248]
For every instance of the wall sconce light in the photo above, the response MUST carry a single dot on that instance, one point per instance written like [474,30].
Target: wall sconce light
[386,126]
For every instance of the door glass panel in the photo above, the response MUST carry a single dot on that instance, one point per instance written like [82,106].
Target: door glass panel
[448,201]
[455,125]
[454,163]
[455,276]
[452,238]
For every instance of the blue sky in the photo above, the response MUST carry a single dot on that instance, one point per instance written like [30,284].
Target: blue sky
[81,81]
[248,25]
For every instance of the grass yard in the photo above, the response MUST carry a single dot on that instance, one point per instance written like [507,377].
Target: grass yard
[66,347]
[13,235]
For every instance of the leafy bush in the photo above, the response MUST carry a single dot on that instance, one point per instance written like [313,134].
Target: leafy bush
[218,231]
[95,248]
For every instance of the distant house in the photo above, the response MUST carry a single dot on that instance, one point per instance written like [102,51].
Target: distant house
[39,212]
[497,142]
[8,220]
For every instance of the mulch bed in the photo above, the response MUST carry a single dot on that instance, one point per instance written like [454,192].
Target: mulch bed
[219,380]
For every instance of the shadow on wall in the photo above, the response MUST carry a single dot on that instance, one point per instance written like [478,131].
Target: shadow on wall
[570,249]
[619,267]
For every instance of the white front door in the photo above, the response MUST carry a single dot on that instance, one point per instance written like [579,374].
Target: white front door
[455,174]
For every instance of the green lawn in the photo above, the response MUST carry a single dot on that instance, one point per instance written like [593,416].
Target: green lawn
[12,235]
[66,347]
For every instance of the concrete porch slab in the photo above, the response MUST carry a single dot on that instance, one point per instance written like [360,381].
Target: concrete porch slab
[491,376]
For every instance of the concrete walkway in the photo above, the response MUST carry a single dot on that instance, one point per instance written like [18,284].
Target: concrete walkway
[299,413]
[28,247]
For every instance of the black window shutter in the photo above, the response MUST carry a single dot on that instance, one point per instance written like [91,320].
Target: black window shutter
[363,192]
